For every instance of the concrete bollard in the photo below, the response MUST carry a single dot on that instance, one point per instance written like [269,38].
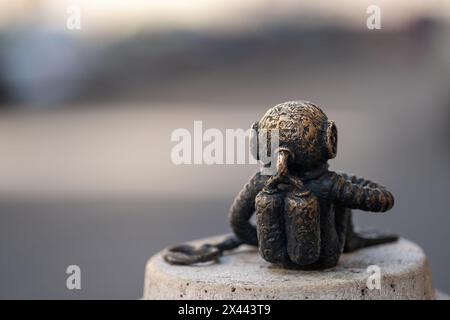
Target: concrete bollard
[393,271]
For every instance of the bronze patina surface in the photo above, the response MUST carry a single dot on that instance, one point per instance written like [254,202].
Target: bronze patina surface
[304,211]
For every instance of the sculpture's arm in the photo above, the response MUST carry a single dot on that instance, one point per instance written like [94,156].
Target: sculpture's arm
[360,180]
[359,193]
[243,208]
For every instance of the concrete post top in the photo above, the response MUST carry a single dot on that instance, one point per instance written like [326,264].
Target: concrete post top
[392,271]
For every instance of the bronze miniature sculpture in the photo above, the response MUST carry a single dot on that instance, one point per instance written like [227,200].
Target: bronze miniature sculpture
[304,211]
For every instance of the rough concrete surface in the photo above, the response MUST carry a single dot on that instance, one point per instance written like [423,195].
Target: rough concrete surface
[242,274]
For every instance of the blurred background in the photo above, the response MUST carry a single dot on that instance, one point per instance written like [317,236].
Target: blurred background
[86,117]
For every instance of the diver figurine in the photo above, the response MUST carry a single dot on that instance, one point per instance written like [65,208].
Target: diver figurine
[303,211]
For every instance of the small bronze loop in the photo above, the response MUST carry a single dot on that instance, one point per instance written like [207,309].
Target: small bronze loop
[186,254]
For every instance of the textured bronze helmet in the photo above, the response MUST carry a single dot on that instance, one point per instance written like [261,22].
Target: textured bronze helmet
[304,130]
